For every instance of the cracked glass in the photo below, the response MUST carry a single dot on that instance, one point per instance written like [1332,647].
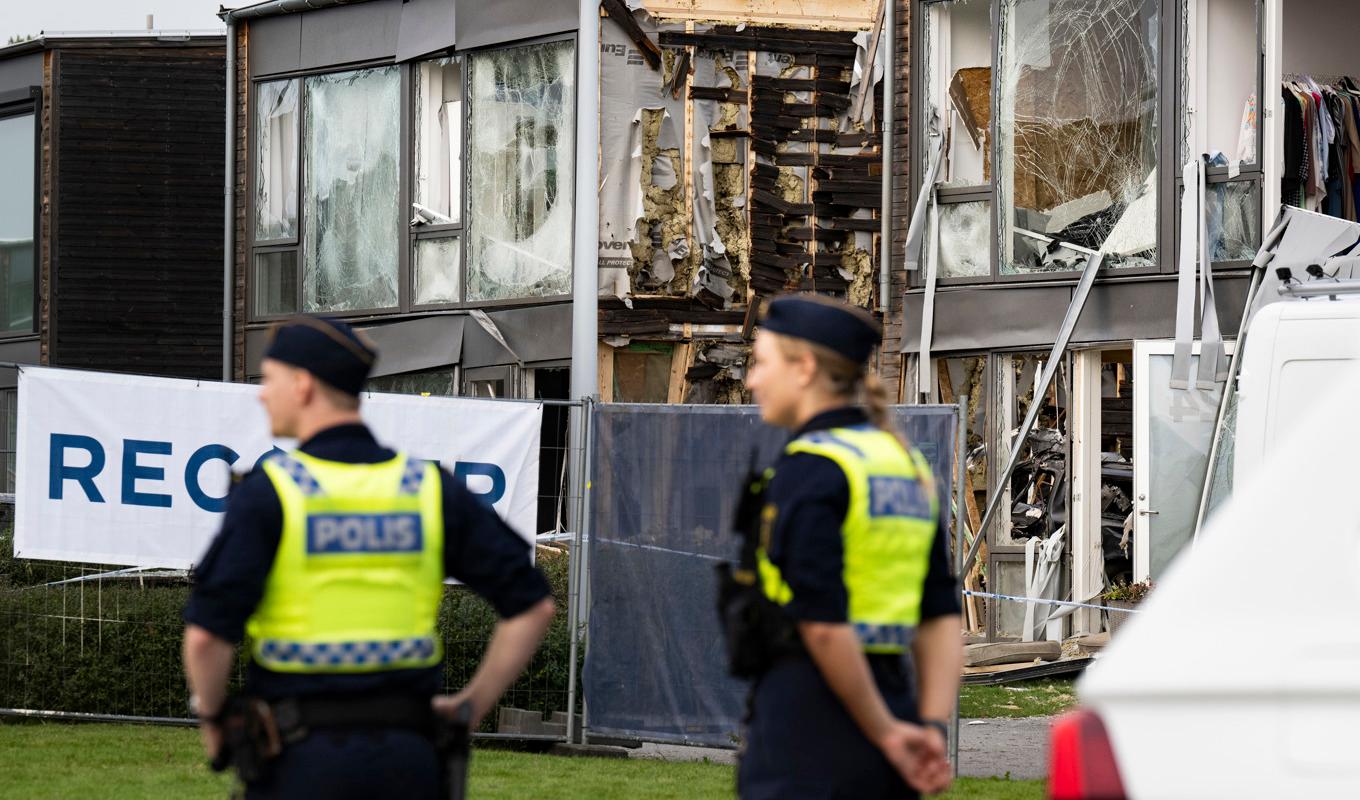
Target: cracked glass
[276,165]
[965,239]
[351,219]
[957,76]
[1077,133]
[1234,222]
[520,145]
[438,197]
[437,263]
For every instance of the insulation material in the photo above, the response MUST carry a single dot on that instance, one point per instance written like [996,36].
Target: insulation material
[521,138]
[350,220]
[1078,85]
[716,275]
[718,375]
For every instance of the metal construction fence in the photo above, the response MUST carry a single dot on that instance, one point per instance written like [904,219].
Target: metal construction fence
[82,640]
[635,504]
[665,481]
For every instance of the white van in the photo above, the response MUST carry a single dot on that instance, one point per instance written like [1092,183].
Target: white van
[1240,678]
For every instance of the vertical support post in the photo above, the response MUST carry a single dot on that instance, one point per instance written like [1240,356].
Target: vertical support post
[585,292]
[585,243]
[960,523]
[576,572]
[229,210]
[886,146]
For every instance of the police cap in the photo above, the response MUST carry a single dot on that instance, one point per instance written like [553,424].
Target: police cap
[847,330]
[327,348]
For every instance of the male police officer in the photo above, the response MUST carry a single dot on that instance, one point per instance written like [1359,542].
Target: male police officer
[332,557]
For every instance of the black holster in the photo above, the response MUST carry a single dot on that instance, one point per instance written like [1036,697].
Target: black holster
[453,741]
[756,630]
[250,738]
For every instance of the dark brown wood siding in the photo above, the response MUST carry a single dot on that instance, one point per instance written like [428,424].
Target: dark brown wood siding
[137,281]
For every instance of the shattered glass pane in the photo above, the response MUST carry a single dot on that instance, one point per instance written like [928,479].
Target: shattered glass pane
[966,240]
[520,147]
[17,204]
[275,283]
[350,213]
[276,166]
[437,265]
[438,122]
[957,72]
[1234,219]
[439,382]
[1078,133]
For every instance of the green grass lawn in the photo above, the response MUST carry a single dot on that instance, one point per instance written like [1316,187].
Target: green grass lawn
[49,760]
[1029,699]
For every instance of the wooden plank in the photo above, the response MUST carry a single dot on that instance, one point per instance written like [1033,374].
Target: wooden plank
[606,372]
[795,159]
[680,359]
[624,18]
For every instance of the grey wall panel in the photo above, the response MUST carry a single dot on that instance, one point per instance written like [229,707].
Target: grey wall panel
[21,72]
[1003,317]
[482,23]
[426,26]
[274,44]
[348,34]
[28,351]
[536,334]
[257,340]
[417,344]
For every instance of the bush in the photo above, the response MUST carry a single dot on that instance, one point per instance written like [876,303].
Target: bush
[112,646]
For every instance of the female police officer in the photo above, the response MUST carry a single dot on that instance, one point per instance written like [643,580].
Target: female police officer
[851,552]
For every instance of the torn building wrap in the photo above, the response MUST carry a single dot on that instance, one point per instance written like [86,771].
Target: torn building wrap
[712,69]
[1194,253]
[925,371]
[637,119]
[924,199]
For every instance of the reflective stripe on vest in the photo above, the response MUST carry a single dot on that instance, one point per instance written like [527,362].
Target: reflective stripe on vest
[887,533]
[358,577]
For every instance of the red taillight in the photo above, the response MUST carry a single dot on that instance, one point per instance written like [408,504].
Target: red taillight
[1081,763]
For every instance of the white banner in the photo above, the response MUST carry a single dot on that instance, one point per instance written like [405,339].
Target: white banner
[128,470]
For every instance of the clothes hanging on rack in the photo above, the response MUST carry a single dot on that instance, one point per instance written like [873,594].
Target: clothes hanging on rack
[1322,145]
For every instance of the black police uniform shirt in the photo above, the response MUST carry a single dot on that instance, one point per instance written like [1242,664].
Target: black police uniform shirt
[479,549]
[811,497]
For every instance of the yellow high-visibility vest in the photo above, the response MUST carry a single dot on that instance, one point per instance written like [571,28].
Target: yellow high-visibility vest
[358,576]
[887,533]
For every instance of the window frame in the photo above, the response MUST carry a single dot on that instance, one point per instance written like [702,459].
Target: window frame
[1173,95]
[408,235]
[18,104]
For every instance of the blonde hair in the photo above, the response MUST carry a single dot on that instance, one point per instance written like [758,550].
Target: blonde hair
[849,380]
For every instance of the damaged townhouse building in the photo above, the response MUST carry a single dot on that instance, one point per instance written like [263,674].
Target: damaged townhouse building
[110,208]
[410,166]
[1098,175]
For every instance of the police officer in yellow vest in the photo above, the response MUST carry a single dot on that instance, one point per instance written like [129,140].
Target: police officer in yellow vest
[851,556]
[332,557]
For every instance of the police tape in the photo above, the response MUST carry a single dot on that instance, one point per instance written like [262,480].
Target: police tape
[1044,602]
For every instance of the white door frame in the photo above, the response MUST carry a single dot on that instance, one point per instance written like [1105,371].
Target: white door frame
[1142,473]
[1088,555]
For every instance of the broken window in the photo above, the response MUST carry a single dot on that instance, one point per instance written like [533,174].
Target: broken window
[437,382]
[1234,220]
[276,164]
[1078,133]
[437,263]
[18,200]
[520,147]
[350,216]
[965,240]
[437,195]
[957,67]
